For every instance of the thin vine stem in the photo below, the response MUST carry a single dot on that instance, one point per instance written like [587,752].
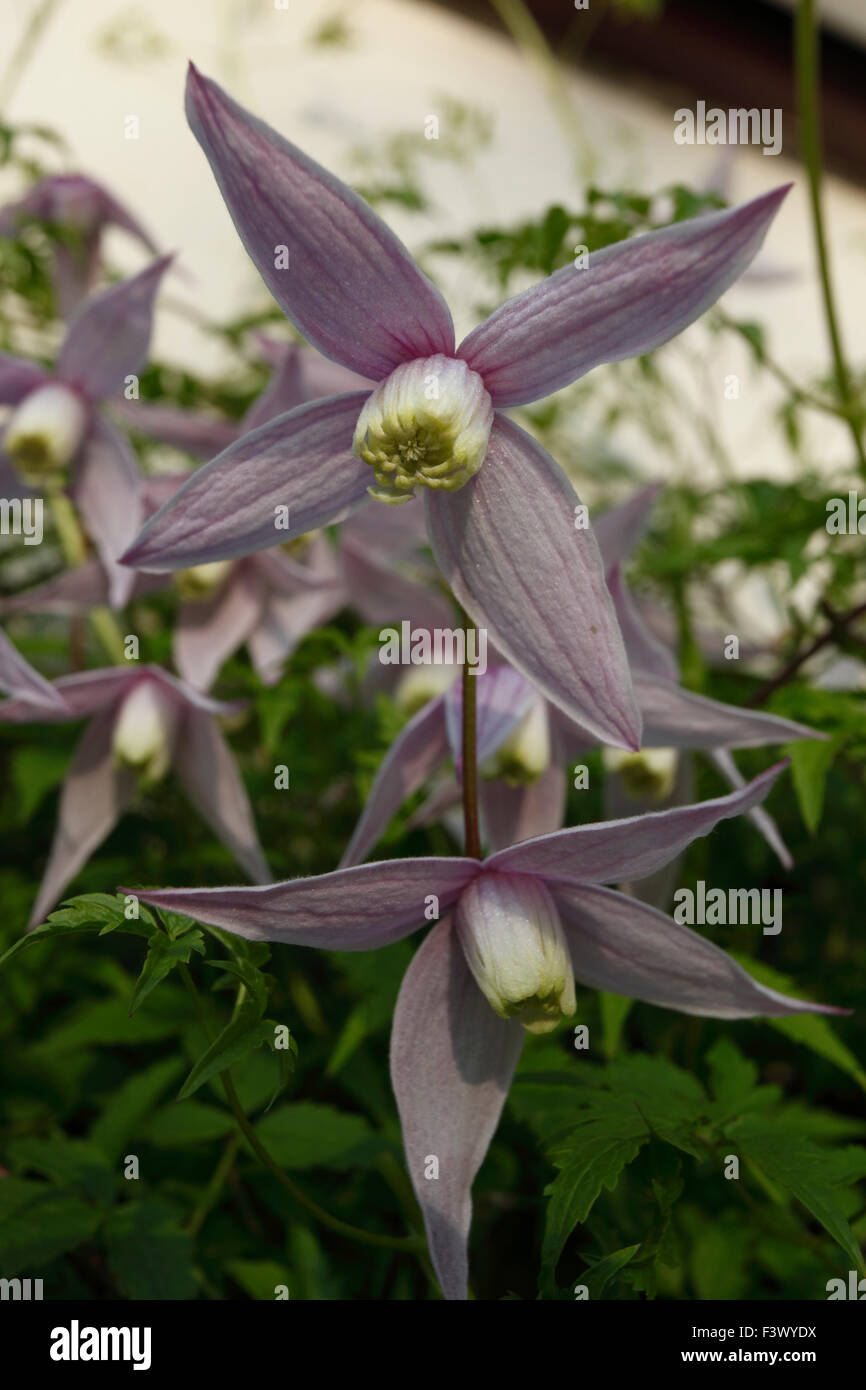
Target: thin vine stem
[472,835]
[807,69]
[324,1218]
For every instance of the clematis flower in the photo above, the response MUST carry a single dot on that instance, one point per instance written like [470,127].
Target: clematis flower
[76,210]
[143,722]
[21,680]
[56,434]
[500,513]
[525,742]
[515,932]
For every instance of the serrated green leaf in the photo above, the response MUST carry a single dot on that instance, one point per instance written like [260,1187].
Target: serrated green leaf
[259,1278]
[187,1122]
[124,1110]
[162,957]
[600,1272]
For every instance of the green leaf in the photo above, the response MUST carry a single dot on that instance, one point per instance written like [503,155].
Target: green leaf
[811,1030]
[810,762]
[615,1009]
[91,912]
[162,957]
[259,1278]
[35,771]
[38,1222]
[125,1109]
[306,1135]
[807,1170]
[66,1162]
[148,1253]
[236,1041]
[589,1161]
[187,1122]
[602,1271]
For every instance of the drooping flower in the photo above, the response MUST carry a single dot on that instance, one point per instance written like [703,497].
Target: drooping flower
[143,722]
[525,742]
[500,513]
[515,932]
[75,210]
[57,436]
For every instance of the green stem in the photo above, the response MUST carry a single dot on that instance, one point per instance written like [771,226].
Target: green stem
[215,1186]
[74,547]
[333,1223]
[808,101]
[472,835]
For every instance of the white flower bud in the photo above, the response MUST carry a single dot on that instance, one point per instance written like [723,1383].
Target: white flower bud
[200,581]
[423,683]
[647,775]
[46,430]
[514,945]
[525,754]
[145,730]
[427,424]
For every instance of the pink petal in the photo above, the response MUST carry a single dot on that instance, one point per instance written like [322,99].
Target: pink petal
[508,546]
[107,489]
[761,819]
[617,850]
[353,909]
[625,947]
[676,718]
[645,651]
[23,682]
[502,698]
[513,814]
[194,433]
[619,529]
[351,287]
[209,775]
[406,766]
[302,460]
[94,797]
[631,298]
[18,378]
[109,336]
[452,1060]
[207,632]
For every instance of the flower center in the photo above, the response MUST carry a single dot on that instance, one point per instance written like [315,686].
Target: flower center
[427,424]
[45,431]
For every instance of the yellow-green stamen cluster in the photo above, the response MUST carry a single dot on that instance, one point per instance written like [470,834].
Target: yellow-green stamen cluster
[428,424]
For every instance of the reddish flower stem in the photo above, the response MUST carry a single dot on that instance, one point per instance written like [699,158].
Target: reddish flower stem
[471,833]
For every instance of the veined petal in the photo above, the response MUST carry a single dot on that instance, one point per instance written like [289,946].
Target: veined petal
[619,529]
[189,430]
[353,909]
[761,819]
[613,851]
[350,285]
[109,335]
[509,548]
[452,1060]
[302,460]
[406,766]
[631,298]
[81,694]
[95,794]
[207,632]
[300,375]
[209,775]
[626,947]
[503,698]
[676,718]
[645,651]
[23,682]
[513,814]
[107,488]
